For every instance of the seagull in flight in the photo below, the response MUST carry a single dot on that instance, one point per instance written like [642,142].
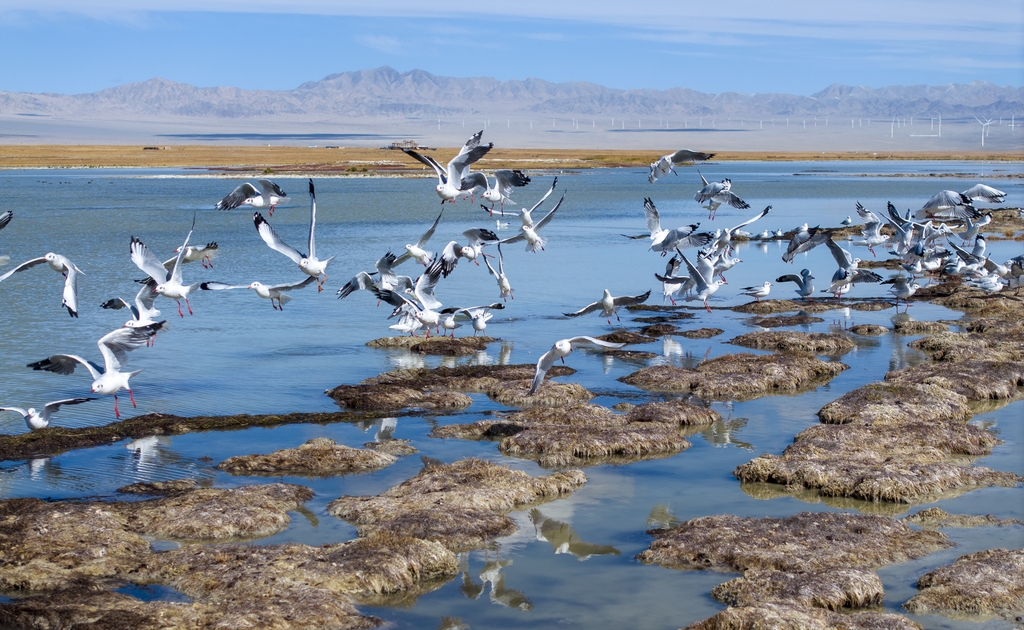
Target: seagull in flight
[37,420]
[805,288]
[308,263]
[610,305]
[416,250]
[269,196]
[168,282]
[804,240]
[704,285]
[663,165]
[114,346]
[723,242]
[449,181]
[143,313]
[663,240]
[560,350]
[717,193]
[505,181]
[981,192]
[62,265]
[948,204]
[267,292]
[529,233]
[504,286]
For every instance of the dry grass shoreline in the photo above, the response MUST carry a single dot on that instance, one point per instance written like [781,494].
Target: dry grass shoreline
[373,161]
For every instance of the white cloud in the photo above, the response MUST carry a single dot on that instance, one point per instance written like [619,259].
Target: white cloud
[382,43]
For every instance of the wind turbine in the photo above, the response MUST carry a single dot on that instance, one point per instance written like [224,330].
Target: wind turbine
[984,128]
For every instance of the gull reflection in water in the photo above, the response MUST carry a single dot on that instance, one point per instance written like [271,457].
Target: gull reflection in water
[564,538]
[146,450]
[721,433]
[491,574]
[661,517]
[407,360]
[385,430]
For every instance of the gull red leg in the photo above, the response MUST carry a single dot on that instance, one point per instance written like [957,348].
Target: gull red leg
[179,309]
[132,398]
[117,414]
[189,307]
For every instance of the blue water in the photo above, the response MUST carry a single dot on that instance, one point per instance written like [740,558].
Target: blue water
[237,355]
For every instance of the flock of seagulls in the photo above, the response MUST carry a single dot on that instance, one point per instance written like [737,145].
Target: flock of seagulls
[924,243]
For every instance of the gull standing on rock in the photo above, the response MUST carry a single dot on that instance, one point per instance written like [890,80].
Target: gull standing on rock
[902,288]
[308,263]
[610,305]
[758,292]
[449,181]
[269,196]
[37,420]
[560,350]
[114,347]
[62,265]
[663,165]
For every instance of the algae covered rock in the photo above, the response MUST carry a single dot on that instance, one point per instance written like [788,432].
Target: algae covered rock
[787,320]
[983,584]
[807,541]
[461,505]
[783,616]
[701,333]
[738,376]
[937,518]
[319,456]
[561,446]
[830,588]
[788,341]
[767,307]
[913,327]
[674,412]
[872,330]
[549,394]
[974,379]
[895,403]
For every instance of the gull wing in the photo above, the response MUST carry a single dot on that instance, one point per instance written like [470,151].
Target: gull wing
[274,241]
[549,215]
[6,216]
[682,239]
[750,220]
[546,195]
[70,295]
[361,281]
[237,197]
[65,364]
[449,257]
[733,200]
[472,151]
[422,242]
[292,285]
[630,300]
[791,277]
[653,218]
[700,282]
[474,180]
[589,308]
[147,262]
[115,304]
[268,187]
[425,285]
[221,286]
[702,179]
[23,412]
[429,161]
[509,179]
[573,341]
[28,264]
[175,275]
[817,237]
[115,345]
[52,407]
[312,219]
[870,218]
[682,156]
[543,365]
[478,236]
[843,257]
[978,192]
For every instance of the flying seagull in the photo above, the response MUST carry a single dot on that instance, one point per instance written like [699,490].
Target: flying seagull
[268,196]
[37,420]
[560,350]
[308,263]
[61,265]
[449,181]
[610,305]
[663,165]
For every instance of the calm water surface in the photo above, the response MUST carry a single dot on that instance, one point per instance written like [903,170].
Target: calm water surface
[237,355]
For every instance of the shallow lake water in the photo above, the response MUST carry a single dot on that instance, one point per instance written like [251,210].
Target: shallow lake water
[237,355]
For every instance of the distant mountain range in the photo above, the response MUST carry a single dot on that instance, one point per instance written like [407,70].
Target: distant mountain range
[386,93]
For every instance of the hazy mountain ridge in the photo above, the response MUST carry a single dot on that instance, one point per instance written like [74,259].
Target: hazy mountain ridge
[386,93]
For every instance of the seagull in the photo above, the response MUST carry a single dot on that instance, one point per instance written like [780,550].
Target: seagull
[848,273]
[902,288]
[478,238]
[416,251]
[871,231]
[5,218]
[504,286]
[426,310]
[309,264]
[947,204]
[610,305]
[847,221]
[723,238]
[143,313]
[758,292]
[804,240]
[981,192]
[504,181]
[560,350]
[705,285]
[671,283]
[449,181]
[37,420]
[387,280]
[529,233]
[204,254]
[272,292]
[665,240]
[168,283]
[805,288]
[114,347]
[716,194]
[974,228]
[62,265]
[479,315]
[664,164]
[269,196]
[526,216]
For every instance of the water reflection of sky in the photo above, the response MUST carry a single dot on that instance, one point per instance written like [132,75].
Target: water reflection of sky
[236,355]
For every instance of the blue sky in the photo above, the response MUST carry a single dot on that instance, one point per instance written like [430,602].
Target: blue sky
[797,47]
